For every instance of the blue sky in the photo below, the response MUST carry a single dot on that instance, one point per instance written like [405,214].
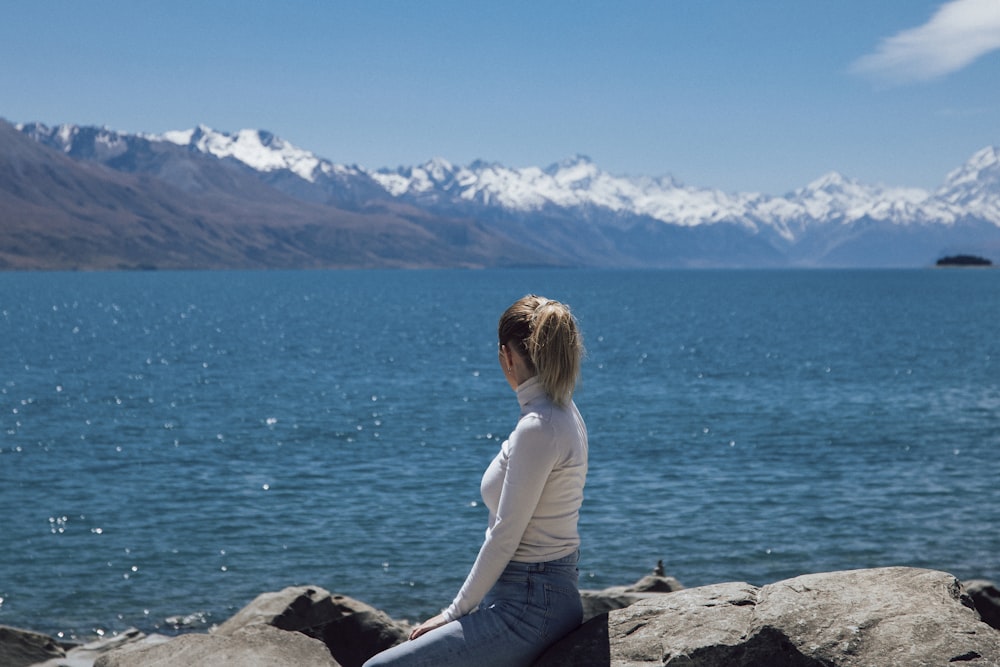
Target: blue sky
[742,95]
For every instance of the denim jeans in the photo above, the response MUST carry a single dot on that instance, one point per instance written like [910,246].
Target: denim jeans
[531,606]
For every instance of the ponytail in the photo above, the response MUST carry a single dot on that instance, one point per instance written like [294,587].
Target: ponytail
[547,336]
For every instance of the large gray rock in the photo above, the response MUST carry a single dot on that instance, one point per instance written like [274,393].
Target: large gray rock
[19,648]
[600,602]
[986,597]
[889,616]
[352,630]
[256,646]
[885,617]
[85,655]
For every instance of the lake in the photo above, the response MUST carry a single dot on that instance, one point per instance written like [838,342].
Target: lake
[175,443]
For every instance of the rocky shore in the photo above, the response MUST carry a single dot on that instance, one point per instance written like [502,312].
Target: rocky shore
[896,616]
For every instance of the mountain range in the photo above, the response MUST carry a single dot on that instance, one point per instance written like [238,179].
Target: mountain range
[82,197]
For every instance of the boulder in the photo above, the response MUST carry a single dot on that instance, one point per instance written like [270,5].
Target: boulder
[587,646]
[655,583]
[986,597]
[649,629]
[886,616]
[352,630]
[19,648]
[84,655]
[253,646]
[600,602]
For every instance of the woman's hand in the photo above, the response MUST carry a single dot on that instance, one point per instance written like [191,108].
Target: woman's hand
[428,625]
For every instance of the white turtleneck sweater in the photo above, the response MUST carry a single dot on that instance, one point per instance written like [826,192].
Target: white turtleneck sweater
[533,489]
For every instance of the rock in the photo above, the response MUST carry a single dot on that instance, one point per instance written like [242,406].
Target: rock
[351,630]
[887,616]
[19,648]
[600,602]
[653,583]
[253,646]
[695,621]
[187,622]
[649,629]
[85,655]
[587,646]
[986,597]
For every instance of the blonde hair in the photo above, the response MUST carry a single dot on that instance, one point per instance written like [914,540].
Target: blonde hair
[546,335]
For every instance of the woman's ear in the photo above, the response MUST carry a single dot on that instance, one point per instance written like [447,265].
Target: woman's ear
[508,357]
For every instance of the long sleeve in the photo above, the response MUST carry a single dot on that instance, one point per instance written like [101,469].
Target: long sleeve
[524,464]
[533,489]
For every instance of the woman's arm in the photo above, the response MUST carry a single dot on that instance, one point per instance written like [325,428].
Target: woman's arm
[428,625]
[530,458]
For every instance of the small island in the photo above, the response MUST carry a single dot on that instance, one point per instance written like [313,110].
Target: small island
[964,260]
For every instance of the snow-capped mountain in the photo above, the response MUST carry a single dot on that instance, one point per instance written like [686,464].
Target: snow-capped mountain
[973,189]
[579,183]
[572,184]
[88,198]
[258,149]
[588,216]
[975,186]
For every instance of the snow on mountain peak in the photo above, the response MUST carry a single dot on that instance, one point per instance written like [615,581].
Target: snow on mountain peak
[834,196]
[578,183]
[832,181]
[258,149]
[984,164]
[577,161]
[986,158]
[975,186]
[66,134]
[573,183]
[439,165]
[438,170]
[576,173]
[179,137]
[434,174]
[97,142]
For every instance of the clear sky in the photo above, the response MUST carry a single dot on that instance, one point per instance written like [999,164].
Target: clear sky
[742,95]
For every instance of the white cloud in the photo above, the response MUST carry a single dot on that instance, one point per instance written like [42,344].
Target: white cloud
[959,32]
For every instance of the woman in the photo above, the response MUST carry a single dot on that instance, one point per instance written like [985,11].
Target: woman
[521,594]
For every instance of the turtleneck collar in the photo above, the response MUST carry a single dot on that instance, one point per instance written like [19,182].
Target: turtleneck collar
[529,390]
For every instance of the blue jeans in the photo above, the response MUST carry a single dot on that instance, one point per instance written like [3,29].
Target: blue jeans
[531,606]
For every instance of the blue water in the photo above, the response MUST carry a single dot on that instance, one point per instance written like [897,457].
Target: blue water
[176,443]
